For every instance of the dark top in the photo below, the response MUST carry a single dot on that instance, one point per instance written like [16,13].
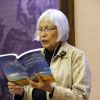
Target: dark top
[38,94]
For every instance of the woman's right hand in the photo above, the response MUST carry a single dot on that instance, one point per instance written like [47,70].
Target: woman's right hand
[15,89]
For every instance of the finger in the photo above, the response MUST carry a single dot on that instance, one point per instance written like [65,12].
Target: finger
[12,91]
[19,91]
[16,91]
[18,87]
[14,87]
[11,86]
[39,77]
[32,83]
[11,83]
[28,79]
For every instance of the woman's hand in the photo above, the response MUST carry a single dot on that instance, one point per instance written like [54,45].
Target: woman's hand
[40,84]
[15,89]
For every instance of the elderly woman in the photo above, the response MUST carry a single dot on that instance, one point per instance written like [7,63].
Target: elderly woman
[68,64]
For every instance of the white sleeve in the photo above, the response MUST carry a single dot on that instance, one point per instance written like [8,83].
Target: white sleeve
[28,93]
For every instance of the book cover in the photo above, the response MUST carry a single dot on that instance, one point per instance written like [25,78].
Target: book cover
[18,68]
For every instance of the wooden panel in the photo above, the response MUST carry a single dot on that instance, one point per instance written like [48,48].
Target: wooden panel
[67,7]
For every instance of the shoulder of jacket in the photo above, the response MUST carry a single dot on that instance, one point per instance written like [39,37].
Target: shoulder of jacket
[72,49]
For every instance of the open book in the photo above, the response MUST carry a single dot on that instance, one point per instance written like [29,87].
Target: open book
[18,68]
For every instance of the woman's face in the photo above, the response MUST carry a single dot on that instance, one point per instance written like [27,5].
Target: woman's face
[48,34]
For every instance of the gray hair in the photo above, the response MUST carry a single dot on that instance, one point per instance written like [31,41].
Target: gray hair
[57,18]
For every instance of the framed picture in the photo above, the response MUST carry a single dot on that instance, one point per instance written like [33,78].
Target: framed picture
[17,21]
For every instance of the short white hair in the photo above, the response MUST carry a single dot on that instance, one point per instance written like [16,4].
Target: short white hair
[58,19]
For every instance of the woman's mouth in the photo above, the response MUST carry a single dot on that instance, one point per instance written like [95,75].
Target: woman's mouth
[44,41]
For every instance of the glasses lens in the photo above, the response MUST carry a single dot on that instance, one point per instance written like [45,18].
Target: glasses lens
[46,30]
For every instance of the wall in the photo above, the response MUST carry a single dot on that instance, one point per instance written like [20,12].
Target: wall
[87,35]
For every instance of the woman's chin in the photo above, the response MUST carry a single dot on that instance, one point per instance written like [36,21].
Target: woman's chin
[45,46]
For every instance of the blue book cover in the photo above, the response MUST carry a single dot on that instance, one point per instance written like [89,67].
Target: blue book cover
[18,69]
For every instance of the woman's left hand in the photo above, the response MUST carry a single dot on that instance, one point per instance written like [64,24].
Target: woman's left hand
[40,84]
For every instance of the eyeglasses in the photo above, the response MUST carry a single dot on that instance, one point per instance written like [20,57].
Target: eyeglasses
[46,30]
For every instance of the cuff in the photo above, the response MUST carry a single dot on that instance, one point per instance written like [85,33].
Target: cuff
[18,97]
[51,94]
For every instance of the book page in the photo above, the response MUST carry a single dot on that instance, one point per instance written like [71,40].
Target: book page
[29,51]
[15,73]
[10,56]
[34,62]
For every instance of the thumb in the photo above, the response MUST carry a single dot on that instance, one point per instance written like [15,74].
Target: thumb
[39,77]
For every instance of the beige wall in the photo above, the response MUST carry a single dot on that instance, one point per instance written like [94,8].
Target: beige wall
[87,31]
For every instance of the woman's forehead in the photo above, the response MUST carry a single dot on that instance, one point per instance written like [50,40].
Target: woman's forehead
[46,23]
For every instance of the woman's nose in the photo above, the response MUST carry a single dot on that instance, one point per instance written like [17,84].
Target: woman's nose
[43,33]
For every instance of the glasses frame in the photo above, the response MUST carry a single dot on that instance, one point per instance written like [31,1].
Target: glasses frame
[45,30]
